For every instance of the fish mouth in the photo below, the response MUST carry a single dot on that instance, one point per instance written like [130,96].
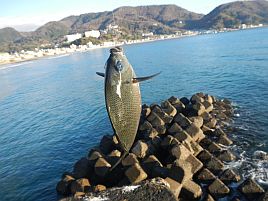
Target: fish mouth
[116,50]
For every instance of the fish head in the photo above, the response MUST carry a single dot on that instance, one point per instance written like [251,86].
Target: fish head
[117,62]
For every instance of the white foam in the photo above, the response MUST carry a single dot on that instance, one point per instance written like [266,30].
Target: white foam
[130,188]
[255,166]
[99,198]
[262,155]
[260,172]
[243,127]
[261,144]
[58,56]
[234,104]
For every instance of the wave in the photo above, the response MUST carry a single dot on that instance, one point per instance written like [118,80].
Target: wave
[58,56]
[15,65]
[251,161]
[255,167]
[259,154]
[237,115]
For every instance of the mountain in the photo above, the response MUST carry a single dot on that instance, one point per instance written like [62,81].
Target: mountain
[159,19]
[231,15]
[134,18]
[51,31]
[9,34]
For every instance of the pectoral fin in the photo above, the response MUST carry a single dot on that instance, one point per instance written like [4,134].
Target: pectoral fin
[100,74]
[140,79]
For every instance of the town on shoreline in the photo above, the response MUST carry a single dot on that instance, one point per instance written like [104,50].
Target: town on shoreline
[17,57]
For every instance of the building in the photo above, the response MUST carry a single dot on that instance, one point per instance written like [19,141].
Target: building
[90,44]
[243,26]
[112,27]
[103,32]
[147,34]
[73,47]
[109,44]
[4,56]
[93,33]
[73,37]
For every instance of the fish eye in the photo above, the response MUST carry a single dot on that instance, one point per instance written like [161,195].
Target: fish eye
[118,65]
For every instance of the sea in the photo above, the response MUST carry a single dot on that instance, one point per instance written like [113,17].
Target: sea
[52,110]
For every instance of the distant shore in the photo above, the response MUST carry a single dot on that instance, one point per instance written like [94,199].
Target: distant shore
[21,58]
[68,51]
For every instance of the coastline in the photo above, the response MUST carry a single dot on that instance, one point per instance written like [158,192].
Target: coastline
[4,64]
[67,51]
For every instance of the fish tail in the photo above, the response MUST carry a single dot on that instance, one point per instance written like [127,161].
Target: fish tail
[119,161]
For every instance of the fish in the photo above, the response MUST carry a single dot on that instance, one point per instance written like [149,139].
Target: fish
[122,98]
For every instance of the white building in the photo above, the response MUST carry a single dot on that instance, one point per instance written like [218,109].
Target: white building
[243,26]
[93,33]
[73,37]
[90,44]
[112,27]
[73,47]
[108,43]
[147,34]
[4,56]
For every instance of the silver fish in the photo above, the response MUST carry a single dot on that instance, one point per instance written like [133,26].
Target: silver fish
[123,98]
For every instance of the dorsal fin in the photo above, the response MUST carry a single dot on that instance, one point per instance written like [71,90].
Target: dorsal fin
[140,79]
[100,74]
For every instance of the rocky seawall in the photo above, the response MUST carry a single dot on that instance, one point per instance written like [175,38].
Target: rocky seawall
[181,152]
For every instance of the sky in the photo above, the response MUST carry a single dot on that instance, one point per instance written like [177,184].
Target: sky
[27,15]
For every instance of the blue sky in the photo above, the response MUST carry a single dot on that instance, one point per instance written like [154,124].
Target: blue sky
[29,14]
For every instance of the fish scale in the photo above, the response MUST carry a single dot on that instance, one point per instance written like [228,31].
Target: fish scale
[124,111]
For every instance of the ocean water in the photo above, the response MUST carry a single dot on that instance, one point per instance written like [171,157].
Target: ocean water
[52,110]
